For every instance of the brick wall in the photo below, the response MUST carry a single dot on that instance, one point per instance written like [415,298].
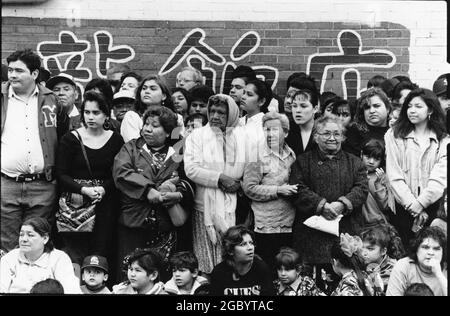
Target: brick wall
[341,44]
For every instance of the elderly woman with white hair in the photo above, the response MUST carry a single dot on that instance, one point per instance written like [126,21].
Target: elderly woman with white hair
[331,183]
[266,183]
[214,159]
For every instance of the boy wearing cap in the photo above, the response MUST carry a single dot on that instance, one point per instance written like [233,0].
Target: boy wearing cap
[94,273]
[123,101]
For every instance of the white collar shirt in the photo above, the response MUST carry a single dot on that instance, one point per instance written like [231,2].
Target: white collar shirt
[21,145]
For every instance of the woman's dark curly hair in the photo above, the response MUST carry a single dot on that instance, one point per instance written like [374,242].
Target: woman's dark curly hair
[432,232]
[363,103]
[167,118]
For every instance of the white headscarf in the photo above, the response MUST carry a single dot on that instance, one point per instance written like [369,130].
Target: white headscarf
[220,206]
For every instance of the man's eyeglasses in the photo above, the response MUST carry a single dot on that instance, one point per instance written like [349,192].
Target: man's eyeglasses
[184,80]
[327,135]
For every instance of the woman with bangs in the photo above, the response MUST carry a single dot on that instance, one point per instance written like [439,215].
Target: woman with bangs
[426,263]
[416,161]
[371,120]
[153,92]
[304,108]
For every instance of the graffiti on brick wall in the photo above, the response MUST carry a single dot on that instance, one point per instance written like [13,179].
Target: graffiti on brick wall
[67,54]
[106,53]
[340,69]
[350,59]
[194,50]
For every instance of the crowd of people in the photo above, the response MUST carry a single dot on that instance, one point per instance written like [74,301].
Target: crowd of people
[143,187]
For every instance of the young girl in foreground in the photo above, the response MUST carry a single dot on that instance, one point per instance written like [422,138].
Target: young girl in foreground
[290,282]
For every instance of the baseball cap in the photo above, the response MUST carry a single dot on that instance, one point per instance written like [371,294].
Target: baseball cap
[123,95]
[440,86]
[96,262]
[62,77]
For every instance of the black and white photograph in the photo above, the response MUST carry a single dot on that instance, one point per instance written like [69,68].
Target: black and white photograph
[224,154]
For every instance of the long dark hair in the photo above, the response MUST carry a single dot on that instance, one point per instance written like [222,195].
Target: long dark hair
[263,92]
[140,107]
[436,122]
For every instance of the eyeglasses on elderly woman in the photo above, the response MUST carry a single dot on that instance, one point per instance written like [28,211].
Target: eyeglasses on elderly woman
[327,135]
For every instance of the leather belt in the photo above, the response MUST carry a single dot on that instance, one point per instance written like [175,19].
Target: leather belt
[26,177]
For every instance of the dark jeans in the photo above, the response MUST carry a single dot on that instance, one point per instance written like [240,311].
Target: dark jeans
[268,245]
[21,201]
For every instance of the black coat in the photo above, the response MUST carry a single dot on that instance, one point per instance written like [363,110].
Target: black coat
[343,177]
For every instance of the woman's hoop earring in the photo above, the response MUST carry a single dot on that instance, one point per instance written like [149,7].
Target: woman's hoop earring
[107,124]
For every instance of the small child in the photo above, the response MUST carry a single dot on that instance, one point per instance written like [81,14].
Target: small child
[193,121]
[378,199]
[47,286]
[94,273]
[395,113]
[143,267]
[290,282]
[378,264]
[347,264]
[185,279]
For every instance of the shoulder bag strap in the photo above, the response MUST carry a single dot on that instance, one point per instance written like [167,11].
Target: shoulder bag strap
[84,153]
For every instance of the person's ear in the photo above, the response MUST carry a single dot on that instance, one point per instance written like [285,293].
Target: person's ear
[105,277]
[316,137]
[316,109]
[383,251]
[195,273]
[46,239]
[153,276]
[35,74]
[261,102]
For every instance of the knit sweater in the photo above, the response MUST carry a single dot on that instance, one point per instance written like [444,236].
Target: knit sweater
[321,180]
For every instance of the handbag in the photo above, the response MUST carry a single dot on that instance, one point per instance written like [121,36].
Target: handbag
[179,213]
[76,212]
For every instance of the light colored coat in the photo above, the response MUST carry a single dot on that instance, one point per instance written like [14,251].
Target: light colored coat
[415,174]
